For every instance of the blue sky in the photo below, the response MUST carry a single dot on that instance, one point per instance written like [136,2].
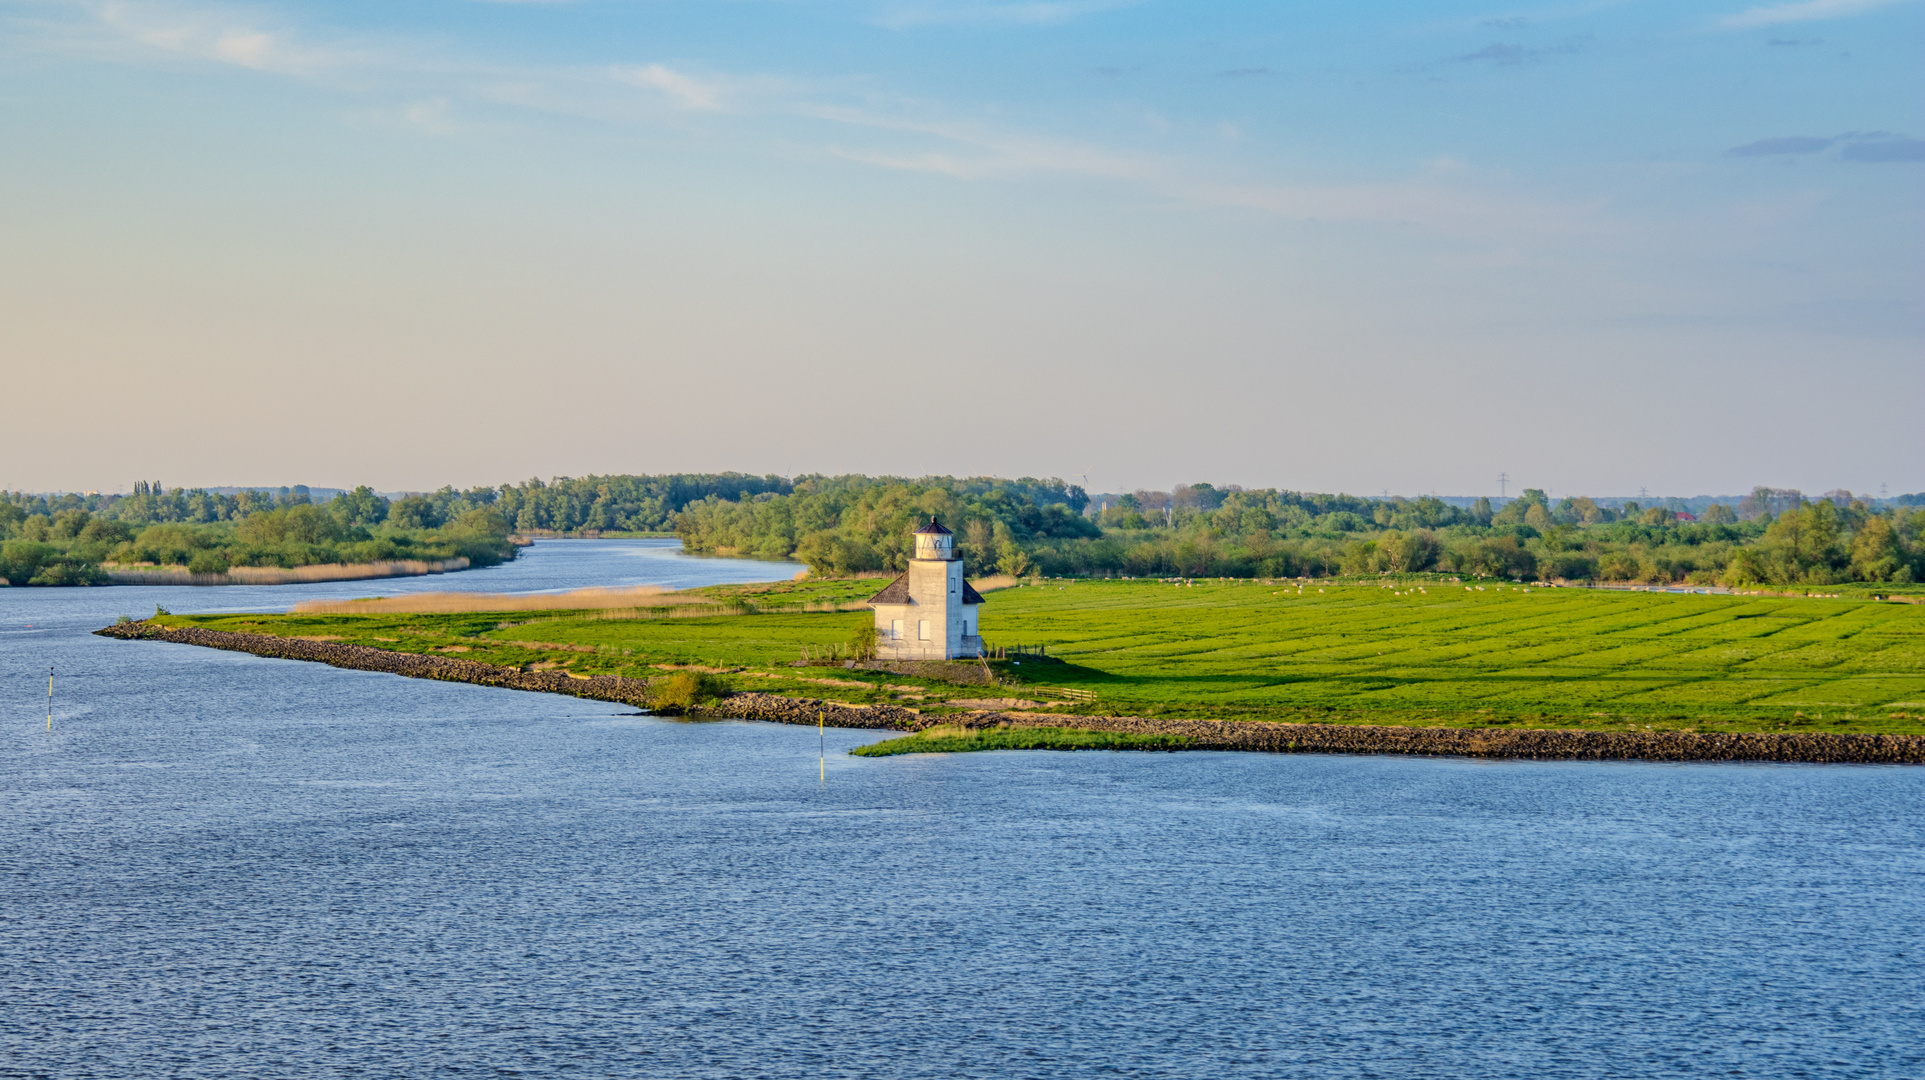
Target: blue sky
[1596,246]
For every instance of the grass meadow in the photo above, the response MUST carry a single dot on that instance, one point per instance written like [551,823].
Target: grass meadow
[1443,652]
[1424,652]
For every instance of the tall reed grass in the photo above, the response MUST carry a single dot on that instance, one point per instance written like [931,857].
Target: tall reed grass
[278,575]
[638,602]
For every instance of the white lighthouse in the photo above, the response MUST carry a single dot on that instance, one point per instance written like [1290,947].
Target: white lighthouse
[929,613]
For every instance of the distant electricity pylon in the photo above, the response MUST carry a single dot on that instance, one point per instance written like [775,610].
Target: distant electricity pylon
[1502,479]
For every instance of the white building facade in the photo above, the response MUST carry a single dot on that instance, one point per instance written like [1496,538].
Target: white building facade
[929,613]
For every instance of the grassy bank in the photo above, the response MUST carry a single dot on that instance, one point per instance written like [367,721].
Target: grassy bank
[1424,652]
[954,739]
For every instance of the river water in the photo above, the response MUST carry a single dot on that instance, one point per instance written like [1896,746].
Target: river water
[218,865]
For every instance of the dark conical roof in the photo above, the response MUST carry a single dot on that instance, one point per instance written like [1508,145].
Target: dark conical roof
[934,526]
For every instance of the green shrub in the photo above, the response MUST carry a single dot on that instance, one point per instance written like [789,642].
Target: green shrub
[1618,566]
[1015,562]
[207,561]
[21,560]
[1569,565]
[862,643]
[69,572]
[684,690]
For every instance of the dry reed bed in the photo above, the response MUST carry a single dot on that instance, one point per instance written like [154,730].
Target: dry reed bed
[638,602]
[454,603]
[277,575]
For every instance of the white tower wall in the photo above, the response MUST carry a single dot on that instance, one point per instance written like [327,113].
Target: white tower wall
[923,616]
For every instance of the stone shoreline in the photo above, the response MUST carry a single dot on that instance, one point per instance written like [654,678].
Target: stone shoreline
[1249,735]
[453,669]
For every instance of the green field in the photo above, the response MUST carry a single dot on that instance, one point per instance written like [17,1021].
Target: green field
[1352,652]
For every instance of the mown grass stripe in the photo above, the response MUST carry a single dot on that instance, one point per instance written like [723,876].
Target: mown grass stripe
[1355,653]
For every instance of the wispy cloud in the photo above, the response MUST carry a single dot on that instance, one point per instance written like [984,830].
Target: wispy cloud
[683,89]
[1032,13]
[1500,54]
[436,117]
[409,86]
[1505,54]
[224,36]
[1864,147]
[1448,198]
[1789,144]
[1889,150]
[981,151]
[931,162]
[1804,11]
[169,32]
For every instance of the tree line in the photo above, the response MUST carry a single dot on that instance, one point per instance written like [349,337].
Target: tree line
[64,538]
[69,540]
[853,524]
[1773,536]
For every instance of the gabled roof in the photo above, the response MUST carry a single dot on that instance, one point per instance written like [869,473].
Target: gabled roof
[935,526]
[898,593]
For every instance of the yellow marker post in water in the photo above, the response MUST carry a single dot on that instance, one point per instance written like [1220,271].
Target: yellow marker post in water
[822,739]
[49,697]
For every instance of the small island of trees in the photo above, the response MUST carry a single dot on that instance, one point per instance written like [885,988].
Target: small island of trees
[81,540]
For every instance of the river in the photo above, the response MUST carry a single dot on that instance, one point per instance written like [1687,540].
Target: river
[218,865]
